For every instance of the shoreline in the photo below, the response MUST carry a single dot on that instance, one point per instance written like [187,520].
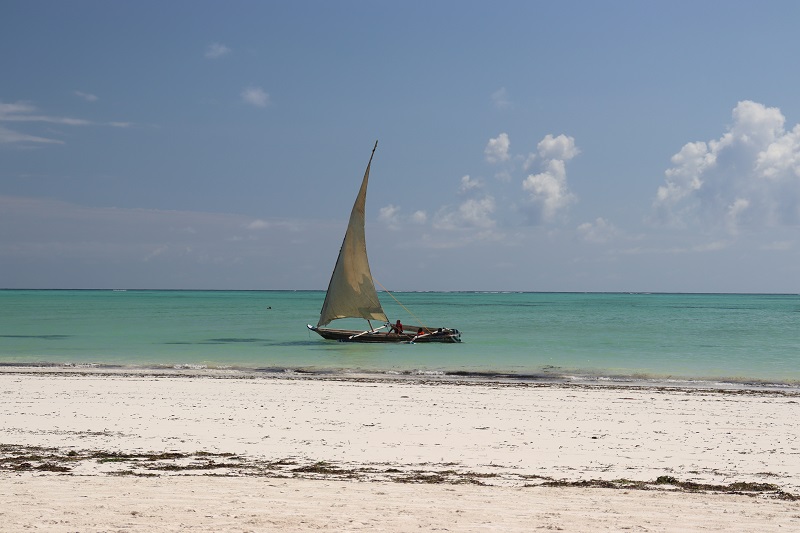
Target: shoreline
[453,376]
[382,439]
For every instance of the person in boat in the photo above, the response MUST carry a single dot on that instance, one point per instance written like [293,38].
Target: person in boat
[420,332]
[397,328]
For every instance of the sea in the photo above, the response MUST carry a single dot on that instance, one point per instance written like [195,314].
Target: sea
[717,340]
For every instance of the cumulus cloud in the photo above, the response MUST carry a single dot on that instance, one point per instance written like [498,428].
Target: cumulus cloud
[497,149]
[217,50]
[750,176]
[255,96]
[561,147]
[473,213]
[486,205]
[548,192]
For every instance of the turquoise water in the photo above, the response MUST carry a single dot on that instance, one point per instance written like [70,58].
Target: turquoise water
[730,338]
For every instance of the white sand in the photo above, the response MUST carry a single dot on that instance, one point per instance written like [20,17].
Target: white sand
[381,432]
[68,504]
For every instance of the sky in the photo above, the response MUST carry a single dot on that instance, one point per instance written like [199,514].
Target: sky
[523,145]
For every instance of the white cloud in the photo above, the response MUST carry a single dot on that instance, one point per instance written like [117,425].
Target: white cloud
[15,108]
[749,176]
[600,231]
[500,98]
[684,178]
[67,121]
[217,50]
[469,184]
[781,157]
[255,96]
[561,147]
[22,112]
[549,194]
[477,212]
[86,96]
[25,112]
[257,224]
[473,213]
[393,218]
[497,149]
[390,215]
[735,211]
[756,124]
[419,217]
[8,136]
[548,191]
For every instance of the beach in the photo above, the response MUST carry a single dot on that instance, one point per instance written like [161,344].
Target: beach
[170,450]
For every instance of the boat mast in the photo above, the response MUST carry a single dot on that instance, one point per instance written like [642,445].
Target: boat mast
[351,291]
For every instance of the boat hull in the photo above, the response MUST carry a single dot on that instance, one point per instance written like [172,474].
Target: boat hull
[346,335]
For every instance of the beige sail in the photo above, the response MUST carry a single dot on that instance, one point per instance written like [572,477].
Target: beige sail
[351,291]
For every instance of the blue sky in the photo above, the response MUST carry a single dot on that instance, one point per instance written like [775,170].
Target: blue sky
[539,146]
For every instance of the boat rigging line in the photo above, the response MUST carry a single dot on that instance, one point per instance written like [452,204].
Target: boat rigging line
[403,306]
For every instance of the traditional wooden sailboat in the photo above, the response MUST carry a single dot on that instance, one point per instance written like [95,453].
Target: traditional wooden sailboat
[351,291]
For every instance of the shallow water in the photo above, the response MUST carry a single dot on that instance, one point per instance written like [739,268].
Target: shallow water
[733,338]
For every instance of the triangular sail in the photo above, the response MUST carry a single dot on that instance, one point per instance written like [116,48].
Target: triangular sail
[351,291]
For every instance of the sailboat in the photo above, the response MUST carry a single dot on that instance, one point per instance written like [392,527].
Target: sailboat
[351,291]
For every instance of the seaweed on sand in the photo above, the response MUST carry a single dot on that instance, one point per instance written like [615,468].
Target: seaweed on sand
[739,487]
[322,467]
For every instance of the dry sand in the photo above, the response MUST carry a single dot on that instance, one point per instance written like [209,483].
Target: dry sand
[223,451]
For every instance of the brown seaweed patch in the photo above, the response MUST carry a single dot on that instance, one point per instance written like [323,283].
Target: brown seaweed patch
[34,459]
[449,477]
[123,473]
[739,487]
[51,467]
[208,465]
[322,467]
[20,458]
